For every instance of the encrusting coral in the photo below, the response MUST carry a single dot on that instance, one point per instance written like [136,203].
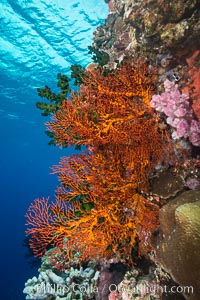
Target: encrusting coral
[100,210]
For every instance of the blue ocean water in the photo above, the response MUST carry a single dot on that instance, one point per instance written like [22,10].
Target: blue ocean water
[38,39]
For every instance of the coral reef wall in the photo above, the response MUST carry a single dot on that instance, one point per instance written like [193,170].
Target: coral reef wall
[137,115]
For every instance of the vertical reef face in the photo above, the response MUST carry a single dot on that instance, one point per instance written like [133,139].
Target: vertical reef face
[152,25]
[166,33]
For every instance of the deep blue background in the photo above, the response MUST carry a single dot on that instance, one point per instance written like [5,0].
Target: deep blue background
[31,59]
[25,167]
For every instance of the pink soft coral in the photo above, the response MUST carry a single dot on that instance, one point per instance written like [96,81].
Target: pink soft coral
[177,108]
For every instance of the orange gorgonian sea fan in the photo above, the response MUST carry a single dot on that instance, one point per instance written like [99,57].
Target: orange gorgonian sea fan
[98,210]
[45,223]
[108,109]
[112,114]
[96,214]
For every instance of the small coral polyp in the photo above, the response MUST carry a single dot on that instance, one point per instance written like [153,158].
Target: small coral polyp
[99,210]
[177,107]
